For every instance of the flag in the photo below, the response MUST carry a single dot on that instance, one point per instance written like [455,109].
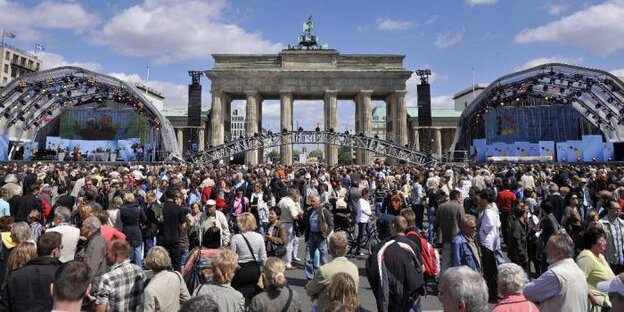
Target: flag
[39,47]
[8,34]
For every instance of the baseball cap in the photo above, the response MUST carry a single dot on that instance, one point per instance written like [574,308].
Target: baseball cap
[211,202]
[615,285]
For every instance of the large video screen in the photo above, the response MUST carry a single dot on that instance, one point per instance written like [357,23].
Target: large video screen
[101,124]
[557,123]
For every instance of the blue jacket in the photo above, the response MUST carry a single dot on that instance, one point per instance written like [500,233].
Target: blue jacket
[462,254]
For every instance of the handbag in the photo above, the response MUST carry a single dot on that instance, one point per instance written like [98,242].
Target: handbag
[260,281]
[275,250]
[196,277]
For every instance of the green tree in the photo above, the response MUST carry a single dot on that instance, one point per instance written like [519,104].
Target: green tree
[317,153]
[345,157]
[274,155]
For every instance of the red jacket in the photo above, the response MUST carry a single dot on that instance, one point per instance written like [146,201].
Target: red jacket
[515,303]
[505,200]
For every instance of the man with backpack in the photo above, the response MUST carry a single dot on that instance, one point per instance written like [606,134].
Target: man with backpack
[395,271]
[427,252]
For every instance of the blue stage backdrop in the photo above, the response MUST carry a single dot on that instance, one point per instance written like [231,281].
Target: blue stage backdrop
[531,124]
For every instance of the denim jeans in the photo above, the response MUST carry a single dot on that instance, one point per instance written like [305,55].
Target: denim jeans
[148,244]
[184,254]
[136,256]
[315,242]
[362,227]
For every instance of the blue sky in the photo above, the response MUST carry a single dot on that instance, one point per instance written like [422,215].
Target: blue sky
[496,37]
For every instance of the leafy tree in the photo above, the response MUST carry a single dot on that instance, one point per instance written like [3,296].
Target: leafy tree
[345,157]
[317,153]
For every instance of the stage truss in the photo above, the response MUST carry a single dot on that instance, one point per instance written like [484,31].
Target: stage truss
[379,146]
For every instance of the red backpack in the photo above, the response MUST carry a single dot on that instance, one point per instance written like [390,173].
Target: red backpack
[428,255]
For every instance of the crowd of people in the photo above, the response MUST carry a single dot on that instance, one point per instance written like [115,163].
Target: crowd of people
[215,237]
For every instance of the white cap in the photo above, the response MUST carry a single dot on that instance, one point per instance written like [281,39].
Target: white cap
[615,285]
[211,202]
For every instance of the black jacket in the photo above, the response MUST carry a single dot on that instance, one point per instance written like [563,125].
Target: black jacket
[28,288]
[132,216]
[518,249]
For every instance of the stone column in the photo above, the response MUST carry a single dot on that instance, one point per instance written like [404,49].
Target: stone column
[416,139]
[390,116]
[366,122]
[216,118]
[227,118]
[201,144]
[331,122]
[286,122]
[438,141]
[251,124]
[180,139]
[401,118]
[357,128]
[260,150]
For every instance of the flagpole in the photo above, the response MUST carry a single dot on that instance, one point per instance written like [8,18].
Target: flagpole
[473,84]
[3,33]
[147,82]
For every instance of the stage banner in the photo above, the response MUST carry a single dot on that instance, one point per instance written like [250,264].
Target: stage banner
[562,151]
[103,124]
[500,149]
[522,149]
[531,124]
[534,149]
[592,148]
[490,151]
[30,148]
[480,146]
[575,151]
[4,147]
[87,147]
[608,151]
[56,143]
[129,148]
[546,148]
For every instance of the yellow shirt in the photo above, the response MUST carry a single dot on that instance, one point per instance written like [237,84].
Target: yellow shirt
[596,269]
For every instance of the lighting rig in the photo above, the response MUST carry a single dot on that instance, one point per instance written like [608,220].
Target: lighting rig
[31,105]
[596,96]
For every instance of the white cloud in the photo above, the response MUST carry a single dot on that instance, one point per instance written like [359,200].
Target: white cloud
[556,8]
[551,59]
[179,30]
[25,21]
[176,95]
[618,72]
[479,2]
[387,23]
[598,28]
[51,60]
[449,39]
[442,102]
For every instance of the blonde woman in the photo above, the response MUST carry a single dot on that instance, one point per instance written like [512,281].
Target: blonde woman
[343,289]
[20,255]
[251,251]
[224,266]
[277,296]
[113,213]
[166,290]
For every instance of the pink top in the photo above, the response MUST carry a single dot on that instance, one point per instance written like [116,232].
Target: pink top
[205,254]
[515,303]
[109,233]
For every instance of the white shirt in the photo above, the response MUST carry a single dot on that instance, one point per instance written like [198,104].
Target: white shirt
[364,211]
[488,232]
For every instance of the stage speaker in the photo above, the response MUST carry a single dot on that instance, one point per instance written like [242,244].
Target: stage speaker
[424,105]
[194,105]
[618,151]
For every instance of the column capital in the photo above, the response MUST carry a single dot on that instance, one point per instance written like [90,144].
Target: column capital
[331,92]
[216,92]
[400,92]
[366,92]
[252,93]
[286,92]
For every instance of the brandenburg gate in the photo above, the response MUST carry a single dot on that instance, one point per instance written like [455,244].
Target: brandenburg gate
[309,71]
